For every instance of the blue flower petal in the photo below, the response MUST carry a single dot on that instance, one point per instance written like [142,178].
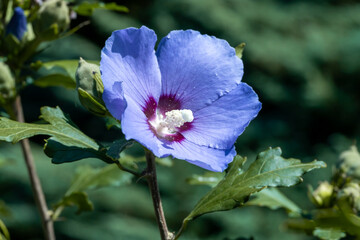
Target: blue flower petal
[129,58]
[211,159]
[114,99]
[17,24]
[135,126]
[197,69]
[219,124]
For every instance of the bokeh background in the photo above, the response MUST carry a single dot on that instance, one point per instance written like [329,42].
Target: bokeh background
[301,57]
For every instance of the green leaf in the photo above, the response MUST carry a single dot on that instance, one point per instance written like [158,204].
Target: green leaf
[12,43]
[111,122]
[56,80]
[4,232]
[117,147]
[268,170]
[61,153]
[59,127]
[89,178]
[4,210]
[79,199]
[269,197]
[328,233]
[59,73]
[87,9]
[69,66]
[90,103]
[66,142]
[349,221]
[274,199]
[208,178]
[130,161]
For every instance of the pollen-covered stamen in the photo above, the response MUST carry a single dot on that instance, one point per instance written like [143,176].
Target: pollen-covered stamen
[172,121]
[176,118]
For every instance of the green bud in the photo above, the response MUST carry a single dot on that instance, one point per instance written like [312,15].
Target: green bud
[52,19]
[90,87]
[352,192]
[350,162]
[239,49]
[321,197]
[7,84]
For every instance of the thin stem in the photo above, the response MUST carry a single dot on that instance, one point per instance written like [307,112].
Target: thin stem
[155,194]
[47,223]
[57,213]
[121,167]
[183,226]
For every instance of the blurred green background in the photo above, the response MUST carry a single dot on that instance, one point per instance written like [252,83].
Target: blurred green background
[301,57]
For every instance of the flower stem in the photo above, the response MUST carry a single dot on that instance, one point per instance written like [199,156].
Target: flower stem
[155,194]
[47,223]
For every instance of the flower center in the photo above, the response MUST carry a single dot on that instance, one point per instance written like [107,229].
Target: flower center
[171,122]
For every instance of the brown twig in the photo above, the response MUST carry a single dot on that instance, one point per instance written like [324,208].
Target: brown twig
[150,174]
[47,223]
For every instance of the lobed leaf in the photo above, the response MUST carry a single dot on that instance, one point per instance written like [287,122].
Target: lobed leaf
[67,143]
[274,199]
[269,197]
[268,170]
[60,128]
[117,147]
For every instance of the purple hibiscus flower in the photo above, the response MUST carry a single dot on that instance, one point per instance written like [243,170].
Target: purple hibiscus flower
[17,24]
[185,100]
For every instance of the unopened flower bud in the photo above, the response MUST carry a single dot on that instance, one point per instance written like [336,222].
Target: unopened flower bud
[239,50]
[52,19]
[90,87]
[350,162]
[352,192]
[321,197]
[7,84]
[17,24]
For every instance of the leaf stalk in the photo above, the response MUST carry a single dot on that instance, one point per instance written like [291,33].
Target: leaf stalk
[121,167]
